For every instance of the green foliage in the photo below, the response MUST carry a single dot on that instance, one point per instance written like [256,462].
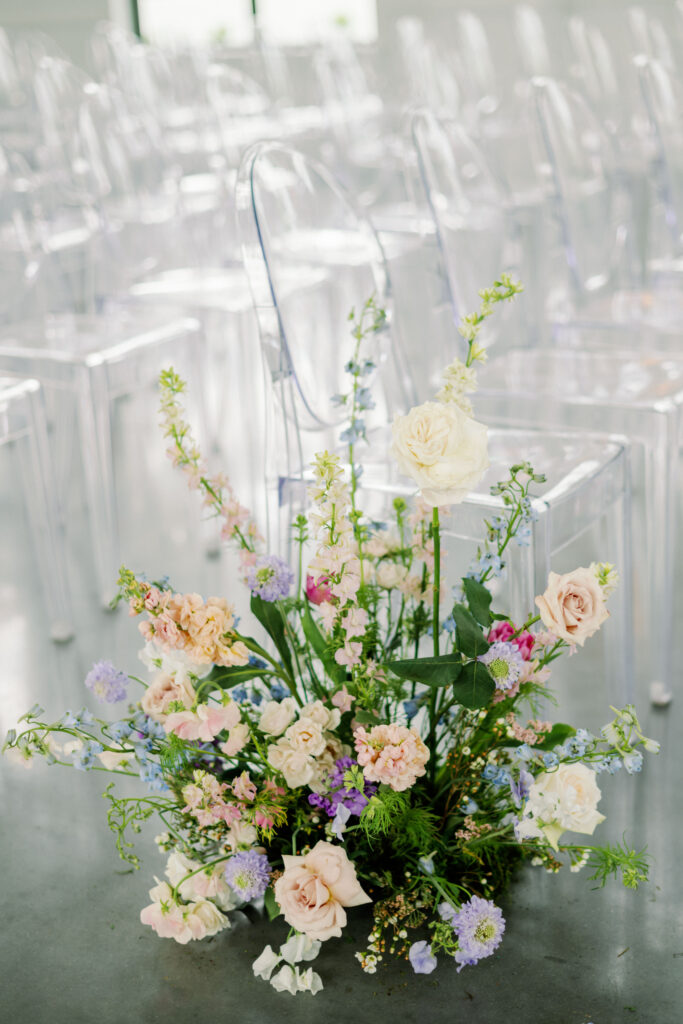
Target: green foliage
[479,600]
[271,905]
[226,678]
[129,812]
[270,617]
[469,638]
[391,815]
[337,673]
[610,860]
[474,688]
[433,671]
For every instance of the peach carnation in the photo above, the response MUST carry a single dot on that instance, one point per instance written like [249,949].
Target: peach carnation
[392,754]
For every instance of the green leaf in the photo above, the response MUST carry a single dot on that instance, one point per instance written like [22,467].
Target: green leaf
[558,734]
[270,617]
[433,671]
[337,673]
[271,905]
[364,717]
[226,678]
[469,637]
[479,600]
[475,686]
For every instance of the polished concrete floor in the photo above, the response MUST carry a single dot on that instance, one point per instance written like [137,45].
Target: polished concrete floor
[72,949]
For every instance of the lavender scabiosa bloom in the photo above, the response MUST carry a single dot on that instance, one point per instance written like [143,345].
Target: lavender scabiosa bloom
[479,925]
[422,960]
[505,663]
[269,578]
[247,873]
[107,682]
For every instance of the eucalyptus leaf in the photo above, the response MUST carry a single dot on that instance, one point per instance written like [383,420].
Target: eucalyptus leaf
[474,686]
[479,600]
[432,671]
[469,637]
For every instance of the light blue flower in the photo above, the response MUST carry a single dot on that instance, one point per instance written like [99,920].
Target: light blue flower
[633,762]
[421,958]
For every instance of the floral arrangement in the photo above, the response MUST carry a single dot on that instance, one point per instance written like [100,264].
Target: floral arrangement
[378,744]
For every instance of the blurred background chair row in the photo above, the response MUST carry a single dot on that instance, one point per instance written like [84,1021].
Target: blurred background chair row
[222,210]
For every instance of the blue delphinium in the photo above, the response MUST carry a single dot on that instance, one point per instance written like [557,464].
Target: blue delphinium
[248,873]
[107,682]
[85,757]
[270,578]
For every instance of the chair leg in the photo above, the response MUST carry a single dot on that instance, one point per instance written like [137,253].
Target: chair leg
[98,469]
[45,520]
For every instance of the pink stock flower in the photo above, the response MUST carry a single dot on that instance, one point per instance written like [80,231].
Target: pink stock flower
[392,754]
[318,590]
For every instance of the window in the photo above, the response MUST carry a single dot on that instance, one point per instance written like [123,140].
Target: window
[174,22]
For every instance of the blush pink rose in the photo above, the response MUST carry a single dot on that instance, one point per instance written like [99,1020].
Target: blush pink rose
[573,605]
[314,890]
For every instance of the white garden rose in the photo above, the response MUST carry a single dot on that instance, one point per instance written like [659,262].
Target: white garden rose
[565,799]
[442,449]
[204,918]
[306,735]
[277,715]
[297,766]
[327,718]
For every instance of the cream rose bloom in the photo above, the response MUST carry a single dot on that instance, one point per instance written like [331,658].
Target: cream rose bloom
[573,605]
[277,715]
[314,890]
[297,766]
[306,735]
[327,718]
[564,800]
[442,449]
[161,693]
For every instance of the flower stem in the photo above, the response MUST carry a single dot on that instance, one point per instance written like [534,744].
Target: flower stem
[437,576]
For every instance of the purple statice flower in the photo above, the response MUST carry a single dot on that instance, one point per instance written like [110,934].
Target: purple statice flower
[270,578]
[479,925]
[336,792]
[422,960]
[107,682]
[505,663]
[247,873]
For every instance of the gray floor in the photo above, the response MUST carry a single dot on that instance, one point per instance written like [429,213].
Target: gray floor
[72,949]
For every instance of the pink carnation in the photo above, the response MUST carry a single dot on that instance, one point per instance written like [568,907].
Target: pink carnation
[392,754]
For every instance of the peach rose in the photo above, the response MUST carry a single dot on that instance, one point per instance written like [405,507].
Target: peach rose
[573,605]
[161,693]
[314,890]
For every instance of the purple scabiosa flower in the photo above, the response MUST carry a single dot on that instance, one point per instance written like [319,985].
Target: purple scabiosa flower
[107,682]
[269,578]
[505,663]
[422,960]
[247,873]
[479,925]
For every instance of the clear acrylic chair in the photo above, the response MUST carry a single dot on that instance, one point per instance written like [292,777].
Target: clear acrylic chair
[54,330]
[24,433]
[293,215]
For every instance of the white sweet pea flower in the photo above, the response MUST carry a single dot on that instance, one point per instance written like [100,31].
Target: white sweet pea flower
[300,947]
[309,981]
[265,964]
[285,980]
